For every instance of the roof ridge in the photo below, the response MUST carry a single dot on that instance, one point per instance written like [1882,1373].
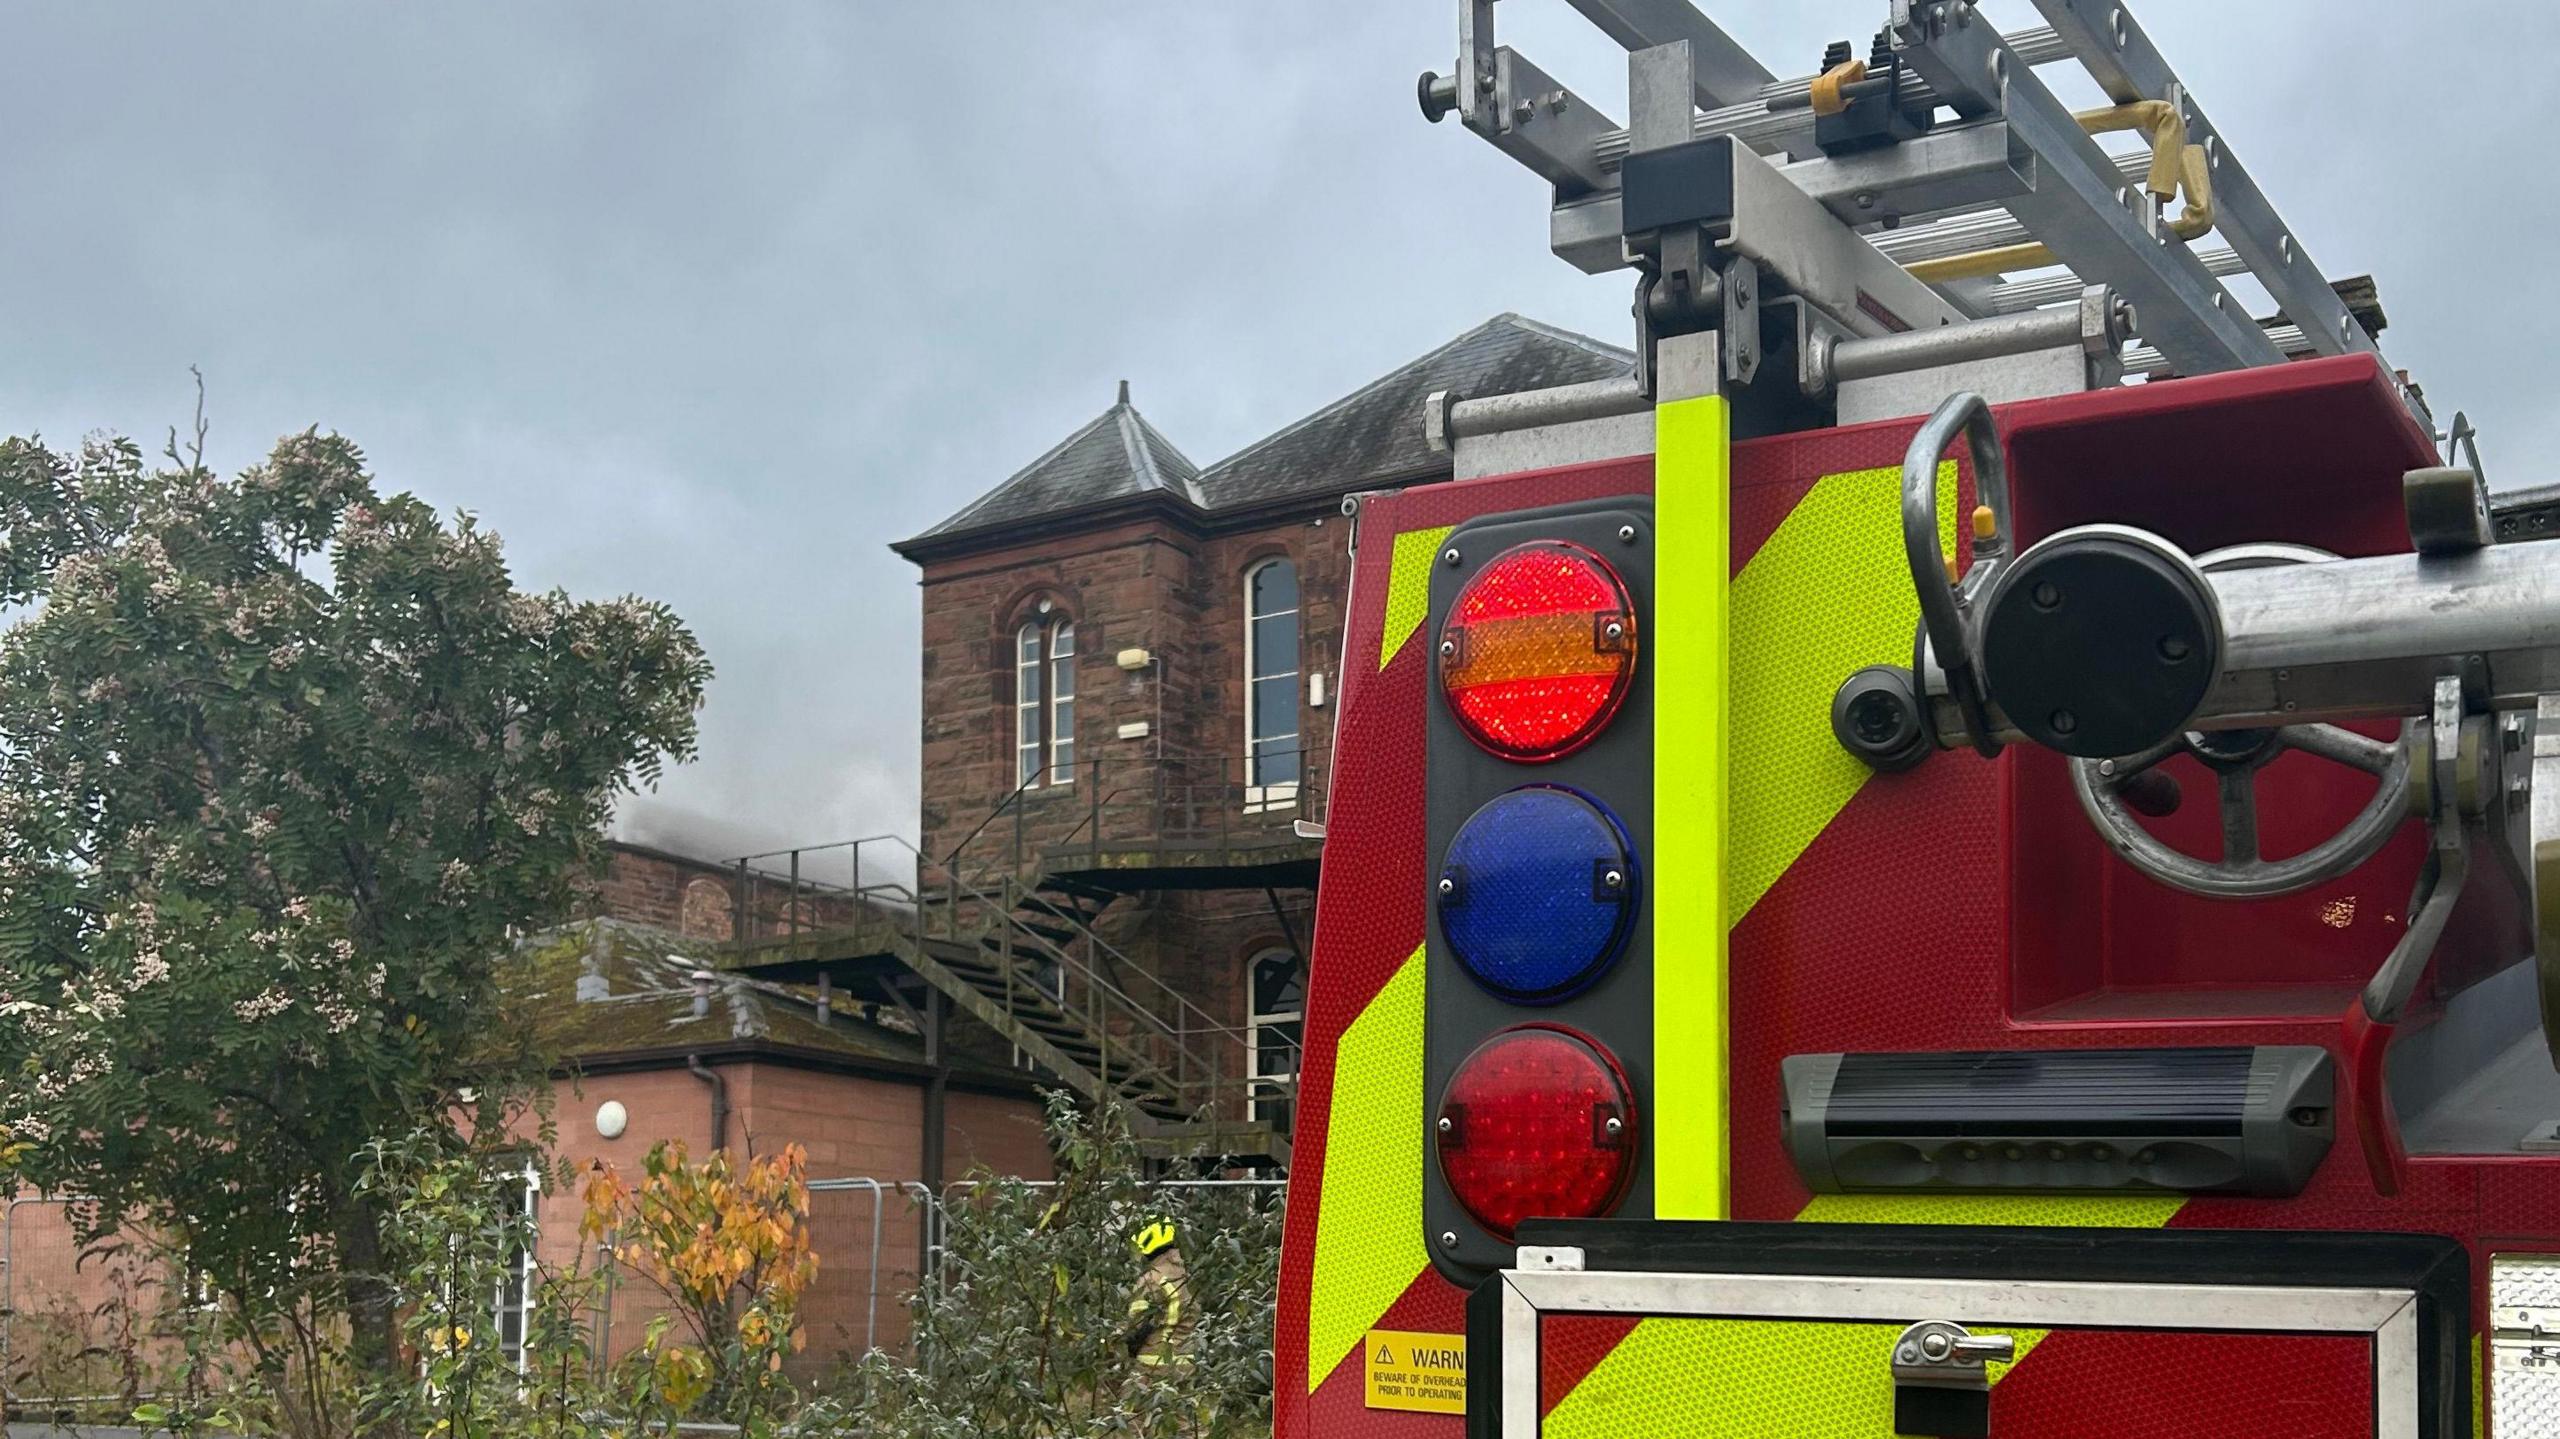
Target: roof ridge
[1051,453]
[1601,348]
[1188,486]
[1303,421]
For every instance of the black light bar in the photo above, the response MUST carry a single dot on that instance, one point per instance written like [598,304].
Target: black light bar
[2235,1120]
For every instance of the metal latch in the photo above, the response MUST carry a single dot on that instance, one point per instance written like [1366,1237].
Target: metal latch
[1941,1385]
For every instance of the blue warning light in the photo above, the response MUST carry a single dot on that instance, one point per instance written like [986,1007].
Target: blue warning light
[1538,893]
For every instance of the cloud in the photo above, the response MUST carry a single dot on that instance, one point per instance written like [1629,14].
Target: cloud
[709,303]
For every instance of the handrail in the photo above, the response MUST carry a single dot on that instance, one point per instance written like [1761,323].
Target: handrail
[1186,1055]
[997,904]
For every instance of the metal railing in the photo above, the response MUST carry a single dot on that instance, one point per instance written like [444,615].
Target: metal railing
[990,892]
[1156,803]
[1151,1042]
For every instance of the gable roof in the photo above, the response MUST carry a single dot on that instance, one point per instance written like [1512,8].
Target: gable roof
[1116,456]
[1375,433]
[1370,437]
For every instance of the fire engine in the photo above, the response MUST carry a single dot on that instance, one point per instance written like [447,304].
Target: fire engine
[1972,850]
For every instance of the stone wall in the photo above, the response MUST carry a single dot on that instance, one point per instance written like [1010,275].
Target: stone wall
[1147,584]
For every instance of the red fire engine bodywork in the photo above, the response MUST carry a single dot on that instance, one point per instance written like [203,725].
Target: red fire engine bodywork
[1963,905]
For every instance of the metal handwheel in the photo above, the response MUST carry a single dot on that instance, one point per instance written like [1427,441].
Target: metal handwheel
[2109,788]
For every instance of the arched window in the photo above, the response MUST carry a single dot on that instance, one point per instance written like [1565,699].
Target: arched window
[1271,684]
[1044,703]
[1276,981]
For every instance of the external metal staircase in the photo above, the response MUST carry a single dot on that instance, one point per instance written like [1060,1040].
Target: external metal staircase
[1009,932]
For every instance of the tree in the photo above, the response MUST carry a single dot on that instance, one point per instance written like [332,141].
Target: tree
[285,763]
[1045,1320]
[728,1244]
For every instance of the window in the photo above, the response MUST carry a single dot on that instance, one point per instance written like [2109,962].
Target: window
[1044,703]
[1278,1028]
[512,1308]
[1271,684]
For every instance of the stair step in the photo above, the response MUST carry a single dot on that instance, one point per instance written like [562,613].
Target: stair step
[1081,888]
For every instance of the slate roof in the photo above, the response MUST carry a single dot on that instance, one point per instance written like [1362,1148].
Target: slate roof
[1370,437]
[1116,456]
[1374,434]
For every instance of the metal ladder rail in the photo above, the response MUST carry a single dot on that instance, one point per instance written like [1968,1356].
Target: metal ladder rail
[2105,231]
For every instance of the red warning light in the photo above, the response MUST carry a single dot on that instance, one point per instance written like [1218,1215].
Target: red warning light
[1538,651]
[1537,1124]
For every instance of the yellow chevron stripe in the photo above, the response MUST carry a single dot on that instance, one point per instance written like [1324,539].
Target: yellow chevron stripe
[1788,1379]
[1369,1223]
[1408,587]
[1827,594]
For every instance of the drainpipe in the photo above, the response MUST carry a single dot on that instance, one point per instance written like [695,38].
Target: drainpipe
[719,1098]
[703,979]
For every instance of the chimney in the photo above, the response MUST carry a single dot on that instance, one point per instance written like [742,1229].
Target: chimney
[702,980]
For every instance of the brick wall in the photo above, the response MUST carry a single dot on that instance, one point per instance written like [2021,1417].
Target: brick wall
[698,898]
[1155,585]
[853,1127]
[665,891]
[1141,585]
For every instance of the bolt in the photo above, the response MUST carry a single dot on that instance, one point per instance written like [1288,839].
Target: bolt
[1612,879]
[1448,1238]
[1626,534]
[2064,721]
[2283,675]
[1558,102]
[1935,1344]
[2290,706]
[2013,1153]
[1527,110]
[1613,1126]
[2173,648]
[1908,1354]
[2145,1157]
[2107,768]
[1968,1152]
[2046,595]
[2306,1116]
[1449,555]
[1448,886]
[1448,648]
[1448,1125]
[1614,630]
[1866,199]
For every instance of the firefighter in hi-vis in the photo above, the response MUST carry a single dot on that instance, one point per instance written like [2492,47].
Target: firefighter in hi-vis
[1160,1321]
[1969,847]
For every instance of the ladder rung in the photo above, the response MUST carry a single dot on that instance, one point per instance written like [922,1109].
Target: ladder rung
[2146,360]
[2017,295]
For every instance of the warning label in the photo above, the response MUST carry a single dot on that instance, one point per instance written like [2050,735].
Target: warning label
[1421,1373]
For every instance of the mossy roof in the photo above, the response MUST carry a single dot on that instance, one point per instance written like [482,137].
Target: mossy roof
[603,989]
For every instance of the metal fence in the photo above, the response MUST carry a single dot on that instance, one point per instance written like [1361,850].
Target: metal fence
[84,1329]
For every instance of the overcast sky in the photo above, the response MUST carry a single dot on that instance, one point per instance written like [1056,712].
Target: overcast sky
[709,302]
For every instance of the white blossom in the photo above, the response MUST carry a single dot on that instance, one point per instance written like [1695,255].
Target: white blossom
[264,1006]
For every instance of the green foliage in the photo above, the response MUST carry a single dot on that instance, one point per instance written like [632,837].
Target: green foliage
[1044,1315]
[463,1229]
[727,1243]
[284,763]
